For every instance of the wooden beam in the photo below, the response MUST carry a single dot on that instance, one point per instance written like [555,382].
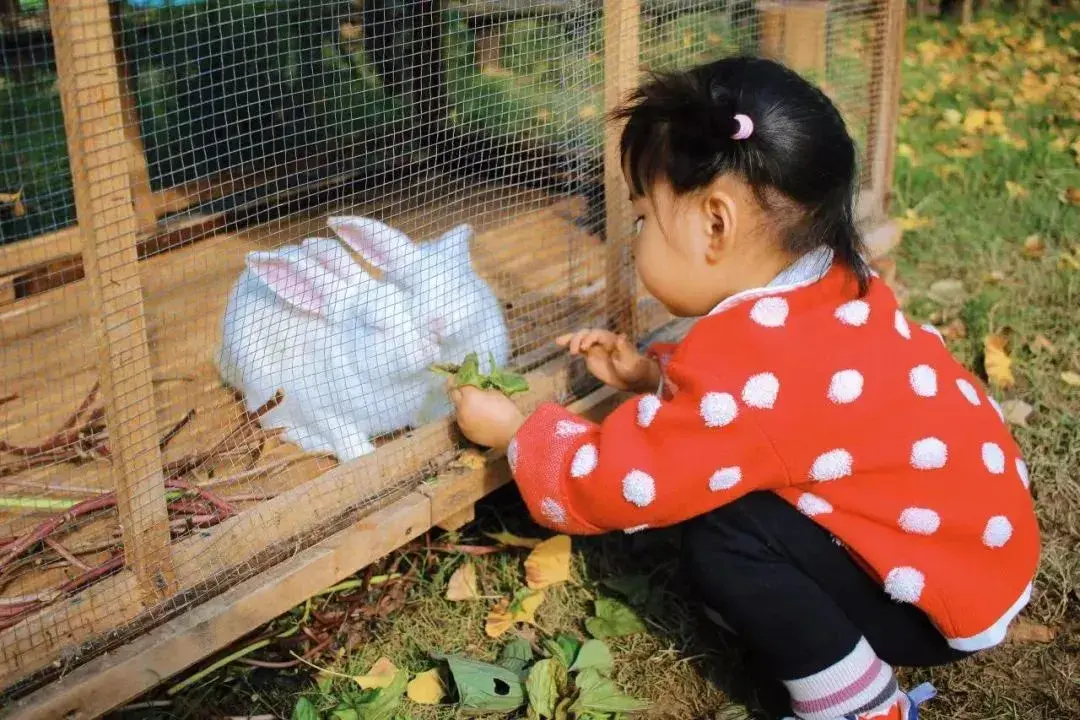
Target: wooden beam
[100,168]
[111,680]
[621,71]
[885,100]
[26,254]
[794,32]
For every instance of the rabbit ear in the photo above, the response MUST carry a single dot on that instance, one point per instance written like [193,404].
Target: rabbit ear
[291,280]
[387,248]
[329,253]
[454,243]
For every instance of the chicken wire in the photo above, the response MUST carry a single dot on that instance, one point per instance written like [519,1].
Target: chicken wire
[241,127]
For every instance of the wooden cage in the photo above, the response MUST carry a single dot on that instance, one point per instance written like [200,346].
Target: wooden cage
[114,317]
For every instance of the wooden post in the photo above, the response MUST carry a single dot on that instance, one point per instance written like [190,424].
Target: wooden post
[885,102]
[487,53]
[100,168]
[794,32]
[621,70]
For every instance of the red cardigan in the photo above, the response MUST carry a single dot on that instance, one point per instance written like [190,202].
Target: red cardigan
[837,404]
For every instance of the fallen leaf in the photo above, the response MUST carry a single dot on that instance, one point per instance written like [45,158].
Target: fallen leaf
[1070,196]
[499,619]
[952,117]
[948,292]
[974,120]
[613,619]
[1016,412]
[995,276]
[304,710]
[1070,378]
[955,330]
[1027,631]
[512,540]
[997,362]
[549,563]
[1016,190]
[484,687]
[516,655]
[543,685]
[1034,246]
[381,675]
[913,221]
[598,694]
[595,655]
[427,688]
[471,460]
[504,615]
[1040,343]
[587,111]
[462,584]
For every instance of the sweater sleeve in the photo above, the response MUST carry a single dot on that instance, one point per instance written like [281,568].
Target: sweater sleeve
[650,463]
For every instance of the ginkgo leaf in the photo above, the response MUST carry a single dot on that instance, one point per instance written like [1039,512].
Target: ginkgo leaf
[462,584]
[587,111]
[1016,412]
[952,117]
[549,563]
[1071,378]
[1016,190]
[427,688]
[511,540]
[974,120]
[997,362]
[1034,246]
[505,614]
[381,675]
[1071,196]
[913,221]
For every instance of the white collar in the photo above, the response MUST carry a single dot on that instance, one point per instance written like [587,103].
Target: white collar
[807,270]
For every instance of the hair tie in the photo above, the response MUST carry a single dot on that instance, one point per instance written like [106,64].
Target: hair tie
[746,127]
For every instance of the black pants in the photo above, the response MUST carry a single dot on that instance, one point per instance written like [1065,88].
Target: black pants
[797,599]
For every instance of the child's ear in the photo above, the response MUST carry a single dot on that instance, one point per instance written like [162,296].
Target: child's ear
[720,218]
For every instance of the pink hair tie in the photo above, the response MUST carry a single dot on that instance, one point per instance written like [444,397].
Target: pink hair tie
[746,127]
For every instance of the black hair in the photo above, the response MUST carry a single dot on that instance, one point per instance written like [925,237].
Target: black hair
[799,160]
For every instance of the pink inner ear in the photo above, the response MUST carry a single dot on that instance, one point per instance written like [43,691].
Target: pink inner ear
[290,285]
[362,240]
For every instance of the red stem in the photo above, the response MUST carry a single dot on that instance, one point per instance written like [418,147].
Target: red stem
[48,527]
[210,497]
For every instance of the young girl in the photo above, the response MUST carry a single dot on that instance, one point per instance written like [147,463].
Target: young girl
[851,499]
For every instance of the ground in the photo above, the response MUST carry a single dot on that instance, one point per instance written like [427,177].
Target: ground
[988,187]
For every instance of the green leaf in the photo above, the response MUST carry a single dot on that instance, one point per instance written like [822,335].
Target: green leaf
[469,372]
[594,655]
[635,588]
[345,714]
[304,710]
[483,687]
[516,655]
[597,694]
[381,704]
[543,686]
[563,648]
[507,382]
[613,619]
[562,710]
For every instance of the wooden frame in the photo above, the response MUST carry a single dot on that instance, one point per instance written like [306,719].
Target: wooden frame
[114,206]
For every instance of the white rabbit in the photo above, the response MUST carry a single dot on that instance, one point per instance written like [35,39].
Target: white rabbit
[340,345]
[446,295]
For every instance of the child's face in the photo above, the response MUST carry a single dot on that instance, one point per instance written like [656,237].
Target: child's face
[692,251]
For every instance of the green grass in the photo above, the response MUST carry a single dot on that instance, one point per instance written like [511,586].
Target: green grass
[976,235]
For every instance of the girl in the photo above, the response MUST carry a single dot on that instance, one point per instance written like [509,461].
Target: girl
[850,498]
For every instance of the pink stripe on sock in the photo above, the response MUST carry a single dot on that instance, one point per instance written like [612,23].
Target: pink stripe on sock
[821,704]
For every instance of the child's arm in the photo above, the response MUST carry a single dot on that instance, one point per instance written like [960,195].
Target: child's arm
[651,463]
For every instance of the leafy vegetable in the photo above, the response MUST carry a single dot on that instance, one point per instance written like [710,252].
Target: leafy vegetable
[594,655]
[468,373]
[599,694]
[516,655]
[546,679]
[483,687]
[304,710]
[613,619]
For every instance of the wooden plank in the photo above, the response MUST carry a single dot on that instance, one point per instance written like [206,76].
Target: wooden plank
[884,99]
[26,254]
[100,167]
[794,32]
[621,71]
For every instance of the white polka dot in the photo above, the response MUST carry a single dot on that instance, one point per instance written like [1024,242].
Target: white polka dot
[810,505]
[639,488]
[635,529]
[929,454]
[905,584]
[647,408]
[968,390]
[568,428]
[923,380]
[845,387]
[832,465]
[553,511]
[934,331]
[997,408]
[718,409]
[770,312]
[854,313]
[901,325]
[993,458]
[1022,471]
[998,531]
[725,479]
[585,460]
[512,455]
[760,391]
[919,521]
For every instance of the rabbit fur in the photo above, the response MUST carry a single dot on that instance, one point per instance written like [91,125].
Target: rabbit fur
[340,344]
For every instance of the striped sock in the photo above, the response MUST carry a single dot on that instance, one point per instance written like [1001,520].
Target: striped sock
[860,684]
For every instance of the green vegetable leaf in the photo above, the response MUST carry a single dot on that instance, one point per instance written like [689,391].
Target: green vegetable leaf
[506,382]
[379,704]
[597,694]
[516,655]
[635,588]
[546,678]
[483,687]
[562,710]
[594,655]
[613,619]
[469,372]
[563,648]
[304,710]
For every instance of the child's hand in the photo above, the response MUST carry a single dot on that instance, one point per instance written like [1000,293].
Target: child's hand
[613,360]
[487,417]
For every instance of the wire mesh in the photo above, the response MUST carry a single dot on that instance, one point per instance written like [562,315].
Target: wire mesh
[149,459]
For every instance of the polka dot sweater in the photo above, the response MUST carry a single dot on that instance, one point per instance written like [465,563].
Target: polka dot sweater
[841,406]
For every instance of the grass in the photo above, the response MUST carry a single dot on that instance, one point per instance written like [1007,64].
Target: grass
[964,223]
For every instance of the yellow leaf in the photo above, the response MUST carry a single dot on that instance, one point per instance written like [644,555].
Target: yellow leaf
[549,563]
[948,170]
[502,618]
[1071,378]
[471,460]
[913,221]
[426,688]
[1041,342]
[974,121]
[528,607]
[462,584]
[380,675]
[1059,144]
[952,117]
[905,151]
[1034,246]
[997,362]
[1016,190]
[587,111]
[1071,196]
[512,540]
